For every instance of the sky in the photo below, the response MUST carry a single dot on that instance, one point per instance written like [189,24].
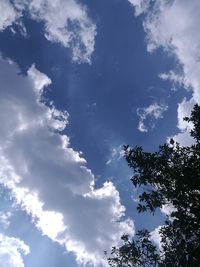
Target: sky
[78,80]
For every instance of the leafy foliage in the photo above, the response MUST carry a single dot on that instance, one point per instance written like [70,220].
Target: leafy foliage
[169,176]
[135,253]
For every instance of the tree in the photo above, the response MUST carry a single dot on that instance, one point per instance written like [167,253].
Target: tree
[169,176]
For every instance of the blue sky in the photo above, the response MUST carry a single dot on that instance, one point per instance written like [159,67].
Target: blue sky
[79,79]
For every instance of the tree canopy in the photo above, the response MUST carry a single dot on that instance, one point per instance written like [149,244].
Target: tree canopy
[170,175]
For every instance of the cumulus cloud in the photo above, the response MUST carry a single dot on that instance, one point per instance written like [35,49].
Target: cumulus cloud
[66,22]
[11,251]
[174,26]
[150,115]
[47,177]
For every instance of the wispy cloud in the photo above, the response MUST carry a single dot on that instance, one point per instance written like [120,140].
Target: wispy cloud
[116,154]
[5,219]
[149,115]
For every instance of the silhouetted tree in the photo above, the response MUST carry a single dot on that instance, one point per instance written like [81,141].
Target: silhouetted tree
[169,176]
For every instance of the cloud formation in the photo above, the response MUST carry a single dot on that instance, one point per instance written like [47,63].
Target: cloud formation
[184,110]
[47,177]
[65,21]
[116,154]
[8,14]
[155,237]
[11,251]
[141,6]
[149,115]
[173,26]
[5,219]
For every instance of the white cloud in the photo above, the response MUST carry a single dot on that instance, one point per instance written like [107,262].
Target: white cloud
[167,209]
[39,79]
[176,79]
[11,250]
[5,219]
[48,178]
[140,6]
[8,14]
[66,22]
[153,112]
[155,237]
[184,110]
[174,26]
[116,154]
